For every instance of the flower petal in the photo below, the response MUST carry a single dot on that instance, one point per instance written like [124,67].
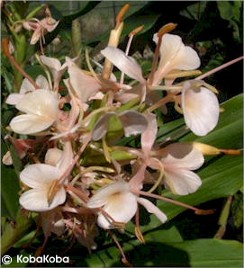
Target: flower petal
[101,127]
[125,63]
[121,207]
[36,200]
[58,199]
[40,102]
[181,182]
[42,82]
[101,197]
[149,135]
[14,98]
[66,158]
[29,124]
[39,175]
[151,208]
[26,86]
[179,56]
[84,85]
[52,63]
[183,156]
[133,122]
[53,156]
[174,55]
[200,109]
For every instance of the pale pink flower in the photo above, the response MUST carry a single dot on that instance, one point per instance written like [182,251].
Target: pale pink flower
[40,28]
[41,111]
[120,204]
[174,55]
[179,159]
[200,108]
[42,196]
[175,162]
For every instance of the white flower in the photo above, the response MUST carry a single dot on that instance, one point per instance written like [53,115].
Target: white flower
[174,55]
[120,204]
[200,108]
[46,192]
[178,161]
[41,111]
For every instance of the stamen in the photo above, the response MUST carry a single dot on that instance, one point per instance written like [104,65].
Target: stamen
[177,74]
[124,259]
[175,202]
[115,224]
[230,151]
[156,184]
[79,193]
[54,188]
[131,36]
[96,168]
[165,29]
[90,66]
[138,232]
[169,27]
[219,68]
[166,99]
[211,150]
[121,14]
[76,158]
[166,88]
[114,40]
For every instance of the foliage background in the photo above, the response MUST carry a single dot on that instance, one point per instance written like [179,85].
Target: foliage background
[214,29]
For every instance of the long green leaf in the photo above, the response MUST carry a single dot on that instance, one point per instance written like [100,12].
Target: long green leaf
[192,253]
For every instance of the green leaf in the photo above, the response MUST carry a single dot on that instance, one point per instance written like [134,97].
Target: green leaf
[192,253]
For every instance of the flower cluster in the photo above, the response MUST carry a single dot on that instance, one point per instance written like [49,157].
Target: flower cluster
[73,127]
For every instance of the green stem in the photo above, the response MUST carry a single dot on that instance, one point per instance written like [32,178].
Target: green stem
[20,56]
[224,218]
